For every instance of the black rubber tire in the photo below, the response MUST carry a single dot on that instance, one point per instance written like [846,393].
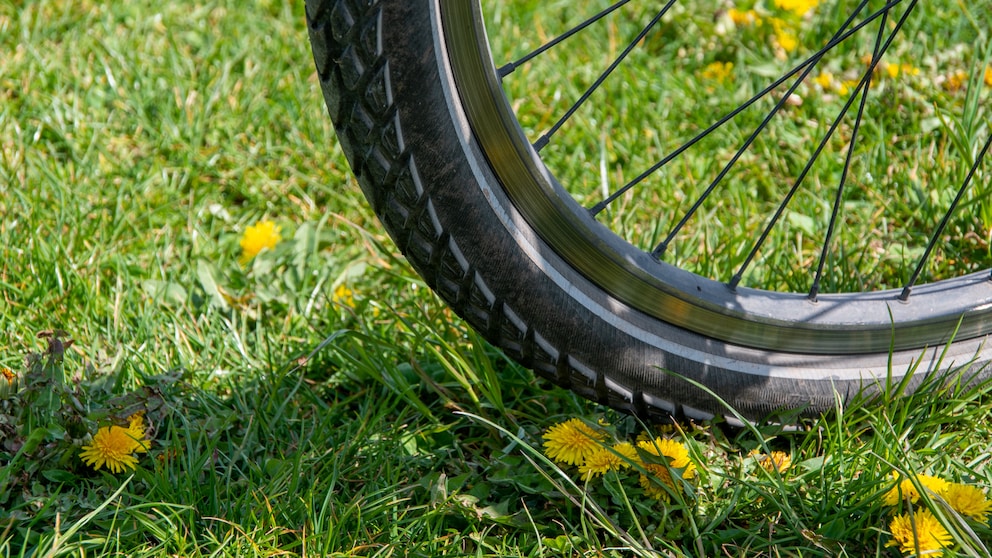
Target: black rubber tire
[390,95]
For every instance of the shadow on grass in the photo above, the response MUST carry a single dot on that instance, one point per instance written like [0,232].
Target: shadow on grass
[356,445]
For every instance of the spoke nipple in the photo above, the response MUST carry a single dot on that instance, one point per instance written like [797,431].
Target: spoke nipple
[904,295]
[734,281]
[659,251]
[506,70]
[541,142]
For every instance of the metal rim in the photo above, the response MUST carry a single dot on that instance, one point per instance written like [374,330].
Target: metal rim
[846,323]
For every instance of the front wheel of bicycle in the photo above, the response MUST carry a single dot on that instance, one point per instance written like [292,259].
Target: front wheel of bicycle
[420,113]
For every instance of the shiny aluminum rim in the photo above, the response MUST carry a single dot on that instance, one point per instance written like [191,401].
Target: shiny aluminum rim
[846,323]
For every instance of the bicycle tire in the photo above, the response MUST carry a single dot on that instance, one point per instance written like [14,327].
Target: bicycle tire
[399,116]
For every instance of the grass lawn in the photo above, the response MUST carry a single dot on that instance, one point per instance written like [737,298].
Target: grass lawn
[315,398]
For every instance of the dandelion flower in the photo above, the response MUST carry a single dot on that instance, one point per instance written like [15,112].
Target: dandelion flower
[603,460]
[919,532]
[136,428]
[967,500]
[344,295]
[988,76]
[845,86]
[777,461]
[676,453]
[798,7]
[572,442]
[905,489]
[784,36]
[658,474]
[114,447]
[628,453]
[749,17]
[824,80]
[955,80]
[893,70]
[258,237]
[909,69]
[598,463]
[718,71]
[656,480]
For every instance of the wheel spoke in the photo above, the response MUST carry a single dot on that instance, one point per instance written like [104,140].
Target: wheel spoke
[599,207]
[509,67]
[904,295]
[839,196]
[544,139]
[660,250]
[736,279]
[612,260]
[799,73]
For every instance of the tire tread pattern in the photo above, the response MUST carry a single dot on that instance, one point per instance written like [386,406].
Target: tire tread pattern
[355,79]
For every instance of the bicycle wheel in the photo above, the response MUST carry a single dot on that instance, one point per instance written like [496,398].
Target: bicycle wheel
[424,120]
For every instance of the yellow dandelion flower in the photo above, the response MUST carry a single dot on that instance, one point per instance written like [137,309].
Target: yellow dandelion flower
[114,447]
[656,480]
[676,453]
[748,17]
[136,428]
[598,463]
[829,83]
[906,490]
[798,7]
[627,453]
[784,36]
[956,80]
[988,76]
[572,441]
[776,461]
[718,71]
[968,500]
[825,80]
[919,532]
[909,69]
[344,295]
[258,237]
[603,460]
[893,70]
[787,40]
[845,86]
